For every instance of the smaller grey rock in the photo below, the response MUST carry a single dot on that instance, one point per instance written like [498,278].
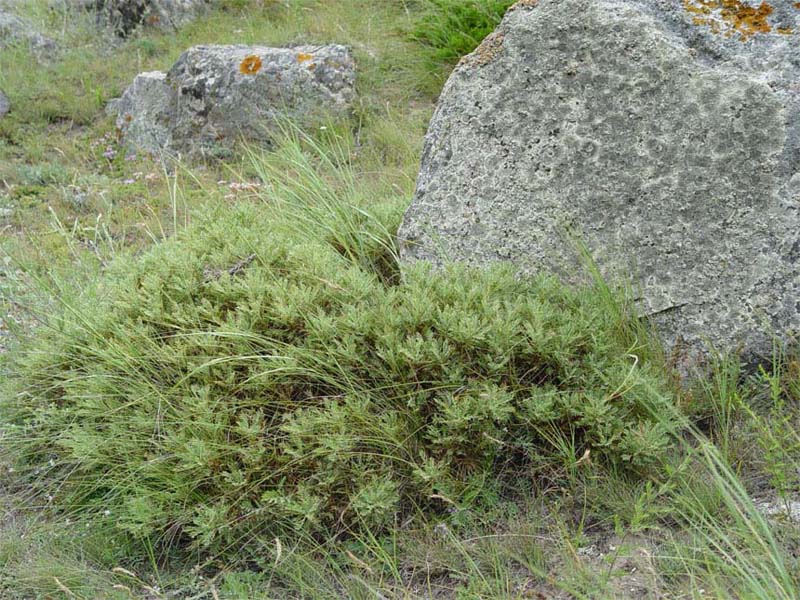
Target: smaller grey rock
[15,30]
[5,105]
[216,95]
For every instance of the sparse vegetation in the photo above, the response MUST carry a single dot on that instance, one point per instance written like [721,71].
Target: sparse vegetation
[220,382]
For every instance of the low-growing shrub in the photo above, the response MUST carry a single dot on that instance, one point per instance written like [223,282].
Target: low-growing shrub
[263,374]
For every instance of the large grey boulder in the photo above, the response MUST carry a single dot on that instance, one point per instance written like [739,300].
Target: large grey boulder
[216,95]
[665,136]
[15,30]
[125,16]
[5,105]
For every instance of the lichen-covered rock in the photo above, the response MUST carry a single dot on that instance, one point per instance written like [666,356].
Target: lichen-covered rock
[145,111]
[216,95]
[124,16]
[664,135]
[15,30]
[113,105]
[5,105]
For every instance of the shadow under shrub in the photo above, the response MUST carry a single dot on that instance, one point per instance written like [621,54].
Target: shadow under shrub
[248,379]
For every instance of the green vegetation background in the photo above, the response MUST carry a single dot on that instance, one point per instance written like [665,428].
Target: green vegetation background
[221,383]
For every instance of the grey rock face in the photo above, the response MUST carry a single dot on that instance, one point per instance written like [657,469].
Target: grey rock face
[216,95]
[15,30]
[666,139]
[5,105]
[144,112]
[124,16]
[113,105]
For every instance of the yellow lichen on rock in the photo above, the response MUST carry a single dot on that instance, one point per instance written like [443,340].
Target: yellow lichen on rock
[250,65]
[489,49]
[733,17]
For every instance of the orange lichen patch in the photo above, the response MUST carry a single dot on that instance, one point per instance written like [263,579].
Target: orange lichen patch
[304,57]
[489,49]
[797,4]
[731,17]
[250,65]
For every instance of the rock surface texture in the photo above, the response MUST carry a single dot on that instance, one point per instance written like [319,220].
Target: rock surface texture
[144,112]
[5,105]
[125,16]
[664,135]
[215,95]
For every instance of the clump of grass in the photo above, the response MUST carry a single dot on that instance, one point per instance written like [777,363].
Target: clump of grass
[722,543]
[272,371]
[454,28]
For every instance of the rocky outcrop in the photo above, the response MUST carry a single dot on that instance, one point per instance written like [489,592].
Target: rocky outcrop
[5,105]
[125,16]
[15,30]
[216,95]
[662,136]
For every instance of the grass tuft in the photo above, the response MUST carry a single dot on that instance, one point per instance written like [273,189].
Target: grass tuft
[450,29]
